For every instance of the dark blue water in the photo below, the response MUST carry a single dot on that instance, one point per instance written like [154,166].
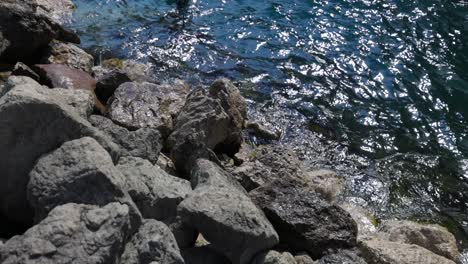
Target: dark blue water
[387,80]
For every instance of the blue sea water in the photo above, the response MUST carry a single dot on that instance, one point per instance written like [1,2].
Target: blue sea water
[386,79]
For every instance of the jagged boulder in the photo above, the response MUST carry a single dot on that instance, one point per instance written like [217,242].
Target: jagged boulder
[221,211]
[432,237]
[155,192]
[377,251]
[34,121]
[72,233]
[303,220]
[80,171]
[274,257]
[25,30]
[144,143]
[153,243]
[69,55]
[137,105]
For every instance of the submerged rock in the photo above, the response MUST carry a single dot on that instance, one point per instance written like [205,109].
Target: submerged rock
[69,55]
[222,212]
[72,233]
[303,220]
[377,251]
[138,105]
[34,121]
[155,192]
[145,143]
[432,237]
[25,30]
[153,243]
[274,257]
[80,171]
[108,83]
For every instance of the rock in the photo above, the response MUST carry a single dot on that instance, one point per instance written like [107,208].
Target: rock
[138,105]
[221,211]
[365,221]
[252,175]
[184,234]
[72,233]
[62,76]
[144,143]
[59,10]
[432,237]
[155,192]
[202,125]
[274,257]
[203,255]
[80,171]
[303,258]
[377,251]
[108,83]
[69,55]
[81,100]
[259,130]
[136,71]
[24,31]
[166,164]
[33,122]
[153,243]
[303,220]
[342,257]
[22,69]
[325,182]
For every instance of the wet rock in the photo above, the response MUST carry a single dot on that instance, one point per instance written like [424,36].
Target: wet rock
[432,237]
[80,171]
[303,258]
[69,55]
[138,105]
[59,10]
[155,192]
[166,164]
[38,121]
[274,257]
[22,69]
[325,182]
[364,219]
[24,31]
[303,220]
[153,243]
[72,233]
[221,211]
[108,83]
[376,251]
[259,130]
[144,143]
[342,257]
[203,255]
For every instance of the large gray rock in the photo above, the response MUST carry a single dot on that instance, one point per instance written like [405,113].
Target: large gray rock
[80,171]
[33,122]
[274,257]
[155,192]
[222,212]
[432,237]
[25,30]
[305,221]
[342,257]
[138,105]
[153,243]
[72,233]
[377,251]
[68,54]
[144,143]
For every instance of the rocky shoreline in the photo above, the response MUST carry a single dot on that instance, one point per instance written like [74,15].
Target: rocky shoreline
[98,165]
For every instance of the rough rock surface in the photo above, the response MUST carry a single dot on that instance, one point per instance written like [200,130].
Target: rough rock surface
[342,257]
[62,76]
[259,130]
[22,69]
[24,31]
[304,221]
[80,171]
[59,10]
[138,105]
[72,233]
[81,100]
[69,55]
[108,83]
[304,258]
[221,211]
[325,182]
[155,192]
[38,122]
[144,143]
[166,164]
[203,255]
[376,251]
[432,237]
[274,257]
[136,71]
[153,243]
